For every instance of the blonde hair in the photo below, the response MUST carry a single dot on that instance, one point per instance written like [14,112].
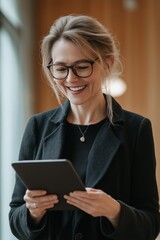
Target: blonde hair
[92,38]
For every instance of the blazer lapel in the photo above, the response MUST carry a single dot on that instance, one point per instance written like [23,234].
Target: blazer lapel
[53,144]
[101,155]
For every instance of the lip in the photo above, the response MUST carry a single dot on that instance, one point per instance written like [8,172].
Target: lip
[76,89]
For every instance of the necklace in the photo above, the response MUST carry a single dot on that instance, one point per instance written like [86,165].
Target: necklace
[82,138]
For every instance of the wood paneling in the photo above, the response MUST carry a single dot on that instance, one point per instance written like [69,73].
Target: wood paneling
[138,34]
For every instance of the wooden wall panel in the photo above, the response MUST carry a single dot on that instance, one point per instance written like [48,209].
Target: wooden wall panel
[138,34]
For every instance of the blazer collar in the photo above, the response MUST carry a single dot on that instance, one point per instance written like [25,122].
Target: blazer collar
[60,114]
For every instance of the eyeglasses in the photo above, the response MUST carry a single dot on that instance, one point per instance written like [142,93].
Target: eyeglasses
[82,69]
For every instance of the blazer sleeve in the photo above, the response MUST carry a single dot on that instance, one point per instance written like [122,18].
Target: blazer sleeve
[18,215]
[140,220]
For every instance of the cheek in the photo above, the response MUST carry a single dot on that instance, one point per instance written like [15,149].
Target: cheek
[97,77]
[94,87]
[96,81]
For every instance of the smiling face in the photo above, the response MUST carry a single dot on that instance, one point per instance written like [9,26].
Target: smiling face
[78,90]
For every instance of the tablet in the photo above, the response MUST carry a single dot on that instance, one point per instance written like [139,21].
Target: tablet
[56,176]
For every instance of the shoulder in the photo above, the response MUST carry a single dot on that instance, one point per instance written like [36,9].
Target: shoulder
[40,122]
[55,115]
[43,116]
[128,118]
[130,125]
[133,116]
[135,120]
[137,129]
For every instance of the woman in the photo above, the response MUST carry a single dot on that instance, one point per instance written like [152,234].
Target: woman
[111,149]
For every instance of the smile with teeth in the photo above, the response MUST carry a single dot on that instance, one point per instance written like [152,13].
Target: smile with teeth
[76,89]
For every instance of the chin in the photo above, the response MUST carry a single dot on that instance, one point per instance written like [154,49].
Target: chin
[78,101]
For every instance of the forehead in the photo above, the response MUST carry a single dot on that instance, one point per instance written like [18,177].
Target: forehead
[67,52]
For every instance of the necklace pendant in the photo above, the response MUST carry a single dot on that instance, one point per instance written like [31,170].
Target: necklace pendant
[82,139]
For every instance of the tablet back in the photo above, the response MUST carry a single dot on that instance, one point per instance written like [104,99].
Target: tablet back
[56,176]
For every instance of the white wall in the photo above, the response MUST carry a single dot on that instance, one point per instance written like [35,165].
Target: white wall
[15,94]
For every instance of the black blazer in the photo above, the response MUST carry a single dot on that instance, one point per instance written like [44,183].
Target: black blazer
[121,163]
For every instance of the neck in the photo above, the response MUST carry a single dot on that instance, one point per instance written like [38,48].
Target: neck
[88,113]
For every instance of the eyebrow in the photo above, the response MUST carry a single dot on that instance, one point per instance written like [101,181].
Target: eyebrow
[78,61]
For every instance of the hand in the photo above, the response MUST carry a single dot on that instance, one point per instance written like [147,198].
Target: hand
[96,203]
[37,202]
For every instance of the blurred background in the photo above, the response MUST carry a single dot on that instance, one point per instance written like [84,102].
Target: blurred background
[24,90]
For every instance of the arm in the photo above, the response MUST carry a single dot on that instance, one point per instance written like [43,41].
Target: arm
[140,219]
[21,221]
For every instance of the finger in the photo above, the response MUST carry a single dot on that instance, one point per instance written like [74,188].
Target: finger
[35,193]
[30,194]
[46,203]
[47,198]
[42,206]
[93,208]
[36,206]
[36,196]
[91,195]
[72,199]
[86,207]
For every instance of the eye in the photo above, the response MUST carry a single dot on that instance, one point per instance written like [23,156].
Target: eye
[59,68]
[82,66]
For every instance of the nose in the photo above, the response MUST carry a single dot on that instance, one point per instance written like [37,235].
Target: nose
[71,76]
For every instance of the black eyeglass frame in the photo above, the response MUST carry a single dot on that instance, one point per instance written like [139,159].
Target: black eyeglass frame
[72,67]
